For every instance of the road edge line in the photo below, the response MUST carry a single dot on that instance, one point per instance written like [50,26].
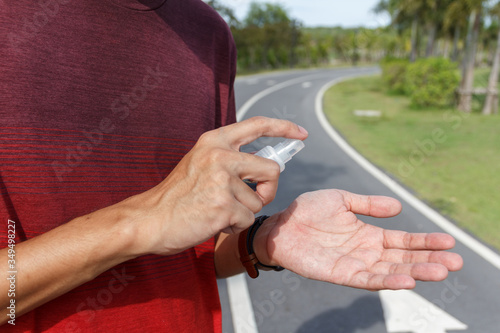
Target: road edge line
[241,305]
[242,111]
[460,235]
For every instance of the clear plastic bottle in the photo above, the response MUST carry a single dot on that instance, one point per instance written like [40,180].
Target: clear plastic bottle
[281,153]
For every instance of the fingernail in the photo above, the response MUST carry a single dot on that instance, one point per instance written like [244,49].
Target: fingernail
[303,130]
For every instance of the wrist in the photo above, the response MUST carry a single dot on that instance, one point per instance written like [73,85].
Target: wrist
[125,229]
[261,241]
[101,239]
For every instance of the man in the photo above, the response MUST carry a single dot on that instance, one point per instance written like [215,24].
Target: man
[122,177]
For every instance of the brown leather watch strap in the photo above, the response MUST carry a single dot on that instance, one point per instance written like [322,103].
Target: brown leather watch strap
[247,254]
[249,261]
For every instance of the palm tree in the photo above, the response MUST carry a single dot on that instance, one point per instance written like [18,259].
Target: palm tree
[455,18]
[475,23]
[433,12]
[491,103]
[412,14]
[403,13]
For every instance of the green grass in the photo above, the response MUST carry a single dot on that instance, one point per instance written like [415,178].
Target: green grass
[450,159]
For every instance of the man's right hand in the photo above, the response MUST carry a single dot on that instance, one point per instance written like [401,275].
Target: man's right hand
[205,194]
[202,196]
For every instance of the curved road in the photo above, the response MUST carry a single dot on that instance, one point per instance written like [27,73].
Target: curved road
[468,301]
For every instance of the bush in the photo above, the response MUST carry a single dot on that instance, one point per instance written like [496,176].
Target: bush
[393,74]
[431,82]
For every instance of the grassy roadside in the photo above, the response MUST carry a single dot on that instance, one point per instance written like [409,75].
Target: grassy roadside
[451,159]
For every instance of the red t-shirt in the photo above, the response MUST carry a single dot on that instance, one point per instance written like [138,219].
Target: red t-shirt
[100,99]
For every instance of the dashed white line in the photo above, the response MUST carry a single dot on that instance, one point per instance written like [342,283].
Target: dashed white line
[255,98]
[252,81]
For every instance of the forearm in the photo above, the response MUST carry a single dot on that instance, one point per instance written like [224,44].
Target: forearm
[227,258]
[62,259]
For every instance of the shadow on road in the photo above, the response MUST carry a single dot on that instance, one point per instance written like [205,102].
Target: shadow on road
[300,177]
[363,313]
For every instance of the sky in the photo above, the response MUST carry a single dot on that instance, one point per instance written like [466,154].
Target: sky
[346,13]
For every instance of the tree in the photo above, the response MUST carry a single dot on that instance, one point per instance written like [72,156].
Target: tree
[346,44]
[434,12]
[412,14]
[267,38]
[227,13]
[402,12]
[262,14]
[475,23]
[491,103]
[455,19]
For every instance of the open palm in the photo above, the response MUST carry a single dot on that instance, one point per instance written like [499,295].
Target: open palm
[319,237]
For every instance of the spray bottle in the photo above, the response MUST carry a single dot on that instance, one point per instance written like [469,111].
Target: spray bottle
[281,153]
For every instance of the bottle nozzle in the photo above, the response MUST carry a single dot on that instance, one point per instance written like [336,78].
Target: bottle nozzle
[282,152]
[288,148]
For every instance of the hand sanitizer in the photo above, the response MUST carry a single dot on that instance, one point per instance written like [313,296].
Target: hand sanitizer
[281,153]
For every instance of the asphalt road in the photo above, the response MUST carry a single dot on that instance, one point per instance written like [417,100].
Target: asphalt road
[284,302]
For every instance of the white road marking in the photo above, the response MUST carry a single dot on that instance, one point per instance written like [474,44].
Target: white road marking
[274,74]
[406,311]
[306,85]
[252,81]
[460,235]
[240,304]
[237,288]
[255,98]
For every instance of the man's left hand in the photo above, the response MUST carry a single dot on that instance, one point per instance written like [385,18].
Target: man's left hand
[319,237]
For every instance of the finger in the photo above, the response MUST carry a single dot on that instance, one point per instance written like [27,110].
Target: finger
[422,272]
[244,132]
[372,205]
[256,168]
[373,281]
[451,261]
[395,239]
[246,196]
[262,171]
